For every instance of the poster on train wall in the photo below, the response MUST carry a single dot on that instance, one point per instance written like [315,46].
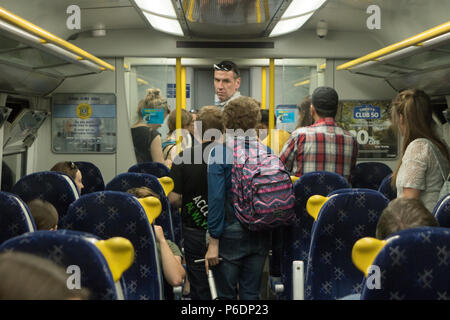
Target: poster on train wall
[370,123]
[84,123]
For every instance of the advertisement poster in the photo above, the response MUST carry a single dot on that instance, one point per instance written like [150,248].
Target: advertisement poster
[84,123]
[370,123]
[286,115]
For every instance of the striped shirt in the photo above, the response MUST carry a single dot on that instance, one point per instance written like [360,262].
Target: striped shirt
[323,146]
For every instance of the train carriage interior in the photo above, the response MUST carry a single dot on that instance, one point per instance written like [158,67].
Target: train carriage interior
[73,75]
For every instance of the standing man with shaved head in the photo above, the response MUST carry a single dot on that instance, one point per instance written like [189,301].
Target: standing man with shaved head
[227,79]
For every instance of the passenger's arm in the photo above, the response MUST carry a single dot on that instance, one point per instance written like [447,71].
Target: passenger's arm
[288,155]
[156,150]
[175,199]
[173,270]
[212,255]
[410,193]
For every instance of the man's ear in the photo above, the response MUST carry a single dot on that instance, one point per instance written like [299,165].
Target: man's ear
[238,83]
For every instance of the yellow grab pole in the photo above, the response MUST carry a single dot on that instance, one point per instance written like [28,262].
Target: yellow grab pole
[271,99]
[178,110]
[414,40]
[263,87]
[49,37]
[183,87]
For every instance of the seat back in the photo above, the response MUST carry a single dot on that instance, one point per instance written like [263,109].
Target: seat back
[442,212]
[125,181]
[15,217]
[69,248]
[343,219]
[92,178]
[154,168]
[369,175]
[110,214]
[413,265]
[297,238]
[57,188]
[386,188]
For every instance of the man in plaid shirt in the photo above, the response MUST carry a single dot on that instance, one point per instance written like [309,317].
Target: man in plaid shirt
[323,146]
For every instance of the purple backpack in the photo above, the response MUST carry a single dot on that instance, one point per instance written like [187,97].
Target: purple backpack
[261,187]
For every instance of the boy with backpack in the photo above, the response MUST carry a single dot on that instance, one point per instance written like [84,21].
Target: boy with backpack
[249,194]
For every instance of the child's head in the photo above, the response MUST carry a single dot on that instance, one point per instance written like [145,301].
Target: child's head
[44,214]
[143,192]
[71,169]
[29,277]
[401,214]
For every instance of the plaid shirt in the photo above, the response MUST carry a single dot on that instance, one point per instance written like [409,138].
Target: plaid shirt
[323,146]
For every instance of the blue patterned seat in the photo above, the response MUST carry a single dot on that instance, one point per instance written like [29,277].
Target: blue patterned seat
[154,168]
[344,218]
[57,188]
[296,239]
[118,214]
[386,188]
[15,217]
[369,175]
[92,178]
[414,265]
[442,212]
[67,248]
[125,181]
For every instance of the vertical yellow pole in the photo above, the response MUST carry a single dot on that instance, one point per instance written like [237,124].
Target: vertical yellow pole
[271,99]
[183,87]
[263,87]
[178,114]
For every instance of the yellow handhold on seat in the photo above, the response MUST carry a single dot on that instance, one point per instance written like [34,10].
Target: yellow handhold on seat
[152,207]
[365,251]
[118,253]
[294,178]
[314,205]
[167,184]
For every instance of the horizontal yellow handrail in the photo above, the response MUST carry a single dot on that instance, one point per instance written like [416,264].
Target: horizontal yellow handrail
[48,37]
[414,40]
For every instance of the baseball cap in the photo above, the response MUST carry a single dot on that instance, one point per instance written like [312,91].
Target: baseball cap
[325,99]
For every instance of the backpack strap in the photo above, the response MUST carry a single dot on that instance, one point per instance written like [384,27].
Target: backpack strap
[435,152]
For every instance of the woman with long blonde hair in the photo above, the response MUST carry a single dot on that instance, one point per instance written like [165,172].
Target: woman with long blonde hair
[146,138]
[425,160]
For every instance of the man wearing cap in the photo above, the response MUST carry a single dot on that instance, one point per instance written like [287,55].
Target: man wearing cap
[323,146]
[227,80]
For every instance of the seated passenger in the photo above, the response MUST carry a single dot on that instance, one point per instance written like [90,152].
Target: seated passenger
[425,159]
[146,138]
[191,195]
[71,169]
[28,277]
[401,214]
[169,254]
[243,252]
[323,146]
[187,124]
[44,214]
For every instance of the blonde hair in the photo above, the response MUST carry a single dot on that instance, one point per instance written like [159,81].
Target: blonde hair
[242,113]
[415,108]
[153,99]
[143,192]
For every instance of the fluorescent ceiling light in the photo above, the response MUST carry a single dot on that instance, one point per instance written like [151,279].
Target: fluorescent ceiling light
[289,25]
[166,25]
[300,7]
[160,7]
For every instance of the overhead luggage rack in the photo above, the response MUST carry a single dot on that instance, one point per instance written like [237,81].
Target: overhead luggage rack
[407,63]
[34,61]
